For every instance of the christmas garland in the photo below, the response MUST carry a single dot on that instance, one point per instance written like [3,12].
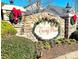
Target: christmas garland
[15,16]
[73,20]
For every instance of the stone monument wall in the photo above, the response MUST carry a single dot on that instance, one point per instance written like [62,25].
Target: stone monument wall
[32,19]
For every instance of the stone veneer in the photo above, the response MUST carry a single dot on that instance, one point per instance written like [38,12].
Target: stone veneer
[31,19]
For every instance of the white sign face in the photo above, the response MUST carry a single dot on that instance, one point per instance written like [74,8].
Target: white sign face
[45,31]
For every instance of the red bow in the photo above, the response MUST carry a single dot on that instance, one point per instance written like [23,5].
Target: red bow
[75,18]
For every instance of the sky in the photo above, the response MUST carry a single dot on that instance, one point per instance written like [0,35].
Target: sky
[61,3]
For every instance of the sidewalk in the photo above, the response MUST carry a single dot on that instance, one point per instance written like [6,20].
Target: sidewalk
[72,55]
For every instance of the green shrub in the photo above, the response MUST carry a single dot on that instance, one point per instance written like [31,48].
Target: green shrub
[70,41]
[39,44]
[7,28]
[64,41]
[46,45]
[17,48]
[67,41]
[43,44]
[57,41]
[74,35]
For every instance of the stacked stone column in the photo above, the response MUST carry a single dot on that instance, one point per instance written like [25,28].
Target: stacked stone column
[66,34]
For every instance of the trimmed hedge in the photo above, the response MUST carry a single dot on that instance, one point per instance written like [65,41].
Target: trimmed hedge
[17,48]
[74,35]
[7,28]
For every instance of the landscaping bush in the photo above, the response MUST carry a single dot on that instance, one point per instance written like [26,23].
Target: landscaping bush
[7,28]
[74,35]
[40,46]
[44,44]
[64,41]
[57,41]
[17,48]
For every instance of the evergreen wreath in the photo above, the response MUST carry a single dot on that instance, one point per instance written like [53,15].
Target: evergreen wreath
[73,20]
[49,21]
[15,16]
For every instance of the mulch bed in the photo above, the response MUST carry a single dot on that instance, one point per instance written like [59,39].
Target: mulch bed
[56,51]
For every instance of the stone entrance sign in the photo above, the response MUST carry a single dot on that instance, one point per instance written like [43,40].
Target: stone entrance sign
[46,29]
